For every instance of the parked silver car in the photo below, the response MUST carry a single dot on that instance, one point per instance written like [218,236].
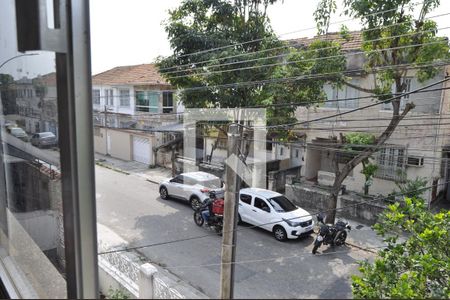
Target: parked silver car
[19,133]
[192,186]
[44,139]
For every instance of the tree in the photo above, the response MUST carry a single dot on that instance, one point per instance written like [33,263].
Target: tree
[418,267]
[196,27]
[411,187]
[384,35]
[9,106]
[358,141]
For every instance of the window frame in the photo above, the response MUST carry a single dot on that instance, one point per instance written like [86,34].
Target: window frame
[244,201]
[124,100]
[96,95]
[166,108]
[391,162]
[262,201]
[403,100]
[109,97]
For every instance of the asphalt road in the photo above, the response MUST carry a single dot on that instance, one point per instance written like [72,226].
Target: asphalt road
[131,207]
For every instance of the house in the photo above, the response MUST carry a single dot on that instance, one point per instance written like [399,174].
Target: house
[36,103]
[417,148]
[131,104]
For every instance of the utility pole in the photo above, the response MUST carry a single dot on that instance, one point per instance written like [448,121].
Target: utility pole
[231,208]
[106,130]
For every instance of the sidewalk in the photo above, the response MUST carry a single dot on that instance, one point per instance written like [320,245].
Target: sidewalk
[361,235]
[154,175]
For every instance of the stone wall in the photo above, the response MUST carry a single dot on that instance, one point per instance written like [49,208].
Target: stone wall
[314,199]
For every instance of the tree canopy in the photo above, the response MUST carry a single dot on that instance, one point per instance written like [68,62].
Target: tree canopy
[418,267]
[255,55]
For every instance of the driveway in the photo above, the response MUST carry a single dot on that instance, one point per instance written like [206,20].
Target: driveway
[131,207]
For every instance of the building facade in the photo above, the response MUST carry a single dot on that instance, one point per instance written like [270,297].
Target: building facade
[416,149]
[131,104]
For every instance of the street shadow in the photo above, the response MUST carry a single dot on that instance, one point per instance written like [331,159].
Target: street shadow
[340,286]
[304,239]
[175,203]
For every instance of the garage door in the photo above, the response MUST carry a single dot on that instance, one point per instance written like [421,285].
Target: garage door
[141,150]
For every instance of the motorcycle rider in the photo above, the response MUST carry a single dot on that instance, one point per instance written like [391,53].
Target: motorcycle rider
[207,213]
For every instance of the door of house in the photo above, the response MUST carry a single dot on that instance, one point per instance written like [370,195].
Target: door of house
[141,150]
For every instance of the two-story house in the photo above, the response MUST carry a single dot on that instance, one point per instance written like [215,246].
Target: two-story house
[418,147]
[36,103]
[131,104]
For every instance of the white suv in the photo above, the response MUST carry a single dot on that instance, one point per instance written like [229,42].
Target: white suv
[193,187]
[274,212]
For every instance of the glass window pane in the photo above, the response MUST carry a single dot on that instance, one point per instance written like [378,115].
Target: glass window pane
[31,203]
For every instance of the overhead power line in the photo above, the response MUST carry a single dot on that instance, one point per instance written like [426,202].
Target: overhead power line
[285,63]
[262,39]
[323,38]
[236,85]
[304,52]
[360,108]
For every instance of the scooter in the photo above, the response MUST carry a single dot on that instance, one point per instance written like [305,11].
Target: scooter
[329,234]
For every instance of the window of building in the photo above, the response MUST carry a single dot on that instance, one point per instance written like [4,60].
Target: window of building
[281,151]
[124,97]
[147,101]
[346,96]
[167,102]
[391,163]
[296,153]
[109,97]
[403,100]
[96,96]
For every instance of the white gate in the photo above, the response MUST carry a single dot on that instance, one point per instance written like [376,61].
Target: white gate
[141,150]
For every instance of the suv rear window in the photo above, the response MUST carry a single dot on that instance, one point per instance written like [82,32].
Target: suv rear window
[212,183]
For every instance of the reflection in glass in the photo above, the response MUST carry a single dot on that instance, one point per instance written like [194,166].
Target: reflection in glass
[31,216]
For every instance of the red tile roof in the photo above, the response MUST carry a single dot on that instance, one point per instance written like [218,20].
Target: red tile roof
[145,74]
[354,41]
[47,79]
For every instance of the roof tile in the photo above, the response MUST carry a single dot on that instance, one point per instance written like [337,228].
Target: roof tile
[144,74]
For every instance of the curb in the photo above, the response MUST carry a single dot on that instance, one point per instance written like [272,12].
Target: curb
[152,181]
[112,168]
[361,248]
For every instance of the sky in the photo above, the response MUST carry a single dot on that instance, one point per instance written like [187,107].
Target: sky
[127,32]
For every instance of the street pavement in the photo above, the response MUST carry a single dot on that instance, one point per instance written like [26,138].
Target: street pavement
[131,207]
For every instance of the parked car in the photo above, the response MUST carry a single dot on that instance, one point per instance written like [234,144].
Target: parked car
[44,139]
[19,133]
[274,212]
[9,125]
[192,186]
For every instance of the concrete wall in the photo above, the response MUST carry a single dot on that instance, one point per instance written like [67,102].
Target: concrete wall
[315,199]
[42,226]
[121,142]
[277,179]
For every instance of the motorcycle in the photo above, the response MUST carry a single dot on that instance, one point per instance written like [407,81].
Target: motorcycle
[215,220]
[334,235]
